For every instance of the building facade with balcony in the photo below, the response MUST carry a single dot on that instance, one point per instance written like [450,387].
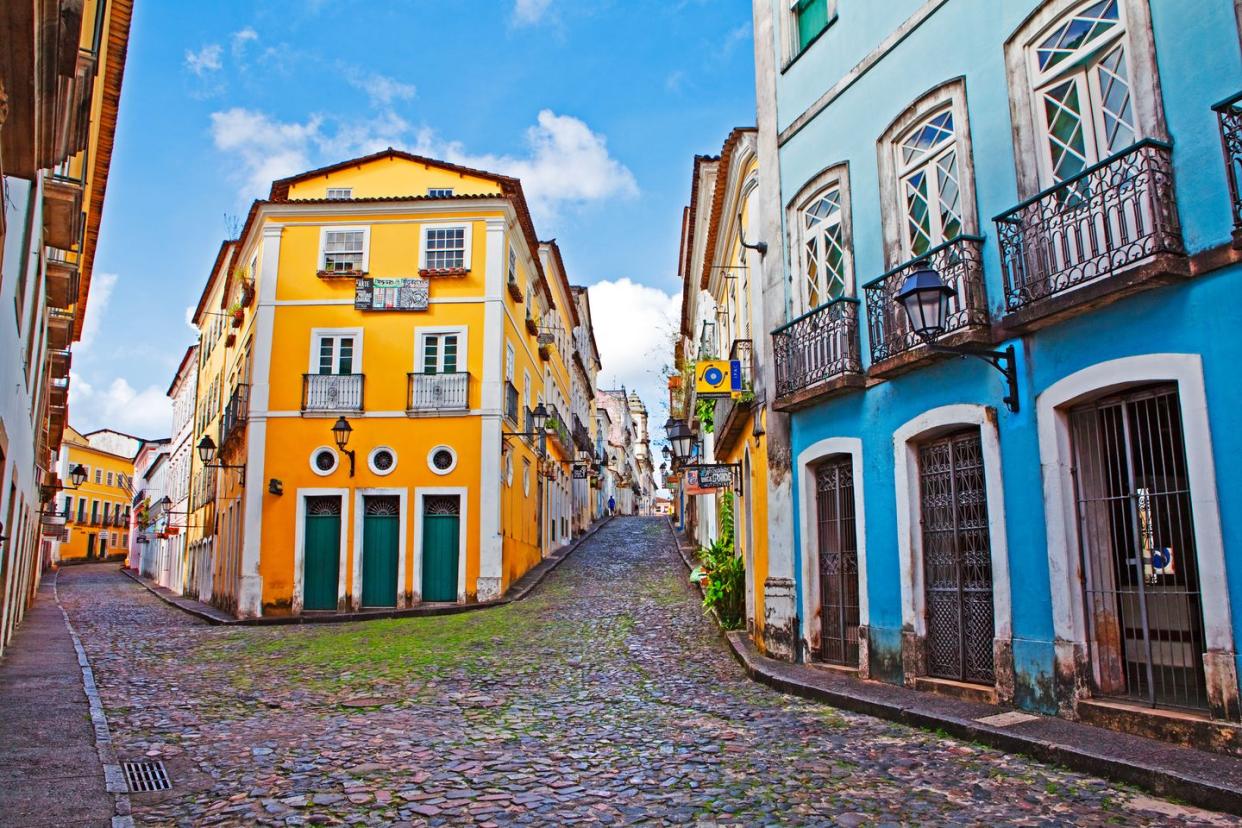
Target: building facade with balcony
[96,515]
[60,83]
[584,374]
[152,543]
[1061,169]
[721,321]
[408,301]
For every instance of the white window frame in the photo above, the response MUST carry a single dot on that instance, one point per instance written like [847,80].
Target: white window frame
[420,338]
[335,193]
[951,96]
[315,452]
[1145,96]
[366,245]
[834,177]
[789,38]
[467,240]
[439,192]
[510,361]
[318,333]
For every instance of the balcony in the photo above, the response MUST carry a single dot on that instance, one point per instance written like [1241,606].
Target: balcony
[1110,231]
[895,348]
[233,419]
[62,283]
[730,413]
[59,329]
[556,428]
[58,392]
[582,437]
[816,355]
[332,393]
[511,404]
[1229,114]
[59,362]
[62,211]
[438,392]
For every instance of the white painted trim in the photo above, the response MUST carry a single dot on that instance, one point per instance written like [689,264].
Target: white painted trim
[463,343]
[312,362]
[345,228]
[315,453]
[836,177]
[431,459]
[402,495]
[809,580]
[450,300]
[371,461]
[1060,509]
[420,493]
[909,533]
[491,400]
[299,545]
[468,239]
[354,415]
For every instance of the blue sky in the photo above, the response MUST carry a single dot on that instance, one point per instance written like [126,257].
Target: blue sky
[599,105]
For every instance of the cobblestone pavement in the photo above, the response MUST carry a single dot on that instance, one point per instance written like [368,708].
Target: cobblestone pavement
[606,697]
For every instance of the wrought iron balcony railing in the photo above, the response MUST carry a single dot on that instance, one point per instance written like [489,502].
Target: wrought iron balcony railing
[235,413]
[1113,215]
[960,265]
[332,392]
[1229,114]
[818,347]
[438,392]
[582,437]
[511,403]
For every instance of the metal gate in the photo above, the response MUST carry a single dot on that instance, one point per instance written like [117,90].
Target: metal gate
[838,563]
[1136,533]
[957,559]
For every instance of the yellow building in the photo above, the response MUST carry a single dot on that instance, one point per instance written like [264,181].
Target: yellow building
[98,512]
[720,318]
[408,303]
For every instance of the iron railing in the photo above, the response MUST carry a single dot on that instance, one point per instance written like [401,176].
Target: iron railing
[818,346]
[235,412]
[332,392]
[960,265]
[438,392]
[511,403]
[1229,114]
[1113,214]
[582,437]
[555,426]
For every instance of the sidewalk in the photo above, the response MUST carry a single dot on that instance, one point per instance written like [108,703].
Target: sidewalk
[1202,778]
[518,590]
[51,772]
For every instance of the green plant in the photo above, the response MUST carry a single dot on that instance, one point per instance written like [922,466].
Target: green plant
[705,413]
[722,575]
[747,395]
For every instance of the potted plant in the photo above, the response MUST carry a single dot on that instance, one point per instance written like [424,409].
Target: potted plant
[247,293]
[239,315]
[230,340]
[532,327]
[545,352]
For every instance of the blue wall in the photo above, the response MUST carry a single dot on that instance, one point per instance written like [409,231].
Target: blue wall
[1199,63]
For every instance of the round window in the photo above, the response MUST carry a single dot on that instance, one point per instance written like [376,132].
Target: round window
[323,461]
[382,460]
[442,459]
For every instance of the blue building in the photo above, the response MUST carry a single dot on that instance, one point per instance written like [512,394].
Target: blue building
[1059,165]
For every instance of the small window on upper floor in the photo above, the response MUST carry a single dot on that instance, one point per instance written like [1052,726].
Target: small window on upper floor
[446,247]
[340,193]
[928,173]
[344,250]
[513,266]
[807,20]
[439,192]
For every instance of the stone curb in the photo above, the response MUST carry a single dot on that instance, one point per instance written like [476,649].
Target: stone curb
[517,592]
[114,777]
[1195,790]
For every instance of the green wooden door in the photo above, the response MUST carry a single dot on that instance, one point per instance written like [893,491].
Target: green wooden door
[441,536]
[322,565]
[380,527]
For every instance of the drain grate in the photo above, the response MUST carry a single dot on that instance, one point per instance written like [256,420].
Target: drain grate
[142,777]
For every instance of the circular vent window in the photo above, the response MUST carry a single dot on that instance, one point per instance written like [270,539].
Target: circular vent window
[382,460]
[323,461]
[442,459]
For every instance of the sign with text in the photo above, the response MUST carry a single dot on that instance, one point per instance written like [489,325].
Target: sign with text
[714,477]
[392,294]
[580,472]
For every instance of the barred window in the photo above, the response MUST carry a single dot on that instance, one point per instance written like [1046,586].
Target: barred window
[446,247]
[340,193]
[343,250]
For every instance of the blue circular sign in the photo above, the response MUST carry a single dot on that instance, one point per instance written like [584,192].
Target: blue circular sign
[713,375]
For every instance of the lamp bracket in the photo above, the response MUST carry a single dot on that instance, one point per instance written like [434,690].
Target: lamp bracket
[1003,361]
[761,247]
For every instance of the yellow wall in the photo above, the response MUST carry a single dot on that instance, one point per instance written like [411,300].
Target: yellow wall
[80,531]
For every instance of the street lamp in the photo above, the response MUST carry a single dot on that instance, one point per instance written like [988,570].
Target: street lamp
[341,430]
[539,418]
[207,452]
[78,475]
[679,437]
[925,298]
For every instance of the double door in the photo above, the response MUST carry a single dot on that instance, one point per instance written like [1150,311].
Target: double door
[838,562]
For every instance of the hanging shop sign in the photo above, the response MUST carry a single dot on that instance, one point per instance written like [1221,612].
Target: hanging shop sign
[580,472]
[718,378]
[392,294]
[715,476]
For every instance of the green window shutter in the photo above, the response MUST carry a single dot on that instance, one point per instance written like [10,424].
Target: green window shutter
[450,353]
[812,19]
[430,354]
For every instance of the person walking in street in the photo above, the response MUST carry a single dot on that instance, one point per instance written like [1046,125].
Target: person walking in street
[612,505]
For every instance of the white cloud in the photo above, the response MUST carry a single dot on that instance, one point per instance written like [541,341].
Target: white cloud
[621,309]
[567,163]
[205,60]
[243,38]
[529,12]
[145,413]
[101,291]
[381,89]
[268,149]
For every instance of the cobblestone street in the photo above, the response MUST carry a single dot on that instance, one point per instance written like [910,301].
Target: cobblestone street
[607,696]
